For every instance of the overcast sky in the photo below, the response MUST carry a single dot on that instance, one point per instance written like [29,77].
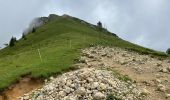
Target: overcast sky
[144,22]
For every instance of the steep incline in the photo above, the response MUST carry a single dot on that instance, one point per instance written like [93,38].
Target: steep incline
[54,47]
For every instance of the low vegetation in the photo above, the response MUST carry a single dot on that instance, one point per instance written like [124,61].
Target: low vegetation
[112,97]
[125,78]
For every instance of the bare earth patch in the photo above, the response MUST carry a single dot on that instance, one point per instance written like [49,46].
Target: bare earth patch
[25,85]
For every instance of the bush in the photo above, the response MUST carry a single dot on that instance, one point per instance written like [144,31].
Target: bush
[168,51]
[112,97]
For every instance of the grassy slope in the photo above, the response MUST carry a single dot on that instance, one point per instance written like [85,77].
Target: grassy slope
[54,39]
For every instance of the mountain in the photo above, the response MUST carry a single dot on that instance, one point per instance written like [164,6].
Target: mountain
[54,46]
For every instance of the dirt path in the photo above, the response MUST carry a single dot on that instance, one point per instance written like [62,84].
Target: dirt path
[24,86]
[151,74]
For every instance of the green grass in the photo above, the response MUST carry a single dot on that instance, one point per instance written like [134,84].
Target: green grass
[54,39]
[112,97]
[117,74]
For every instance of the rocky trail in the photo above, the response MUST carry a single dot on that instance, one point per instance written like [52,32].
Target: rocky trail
[109,73]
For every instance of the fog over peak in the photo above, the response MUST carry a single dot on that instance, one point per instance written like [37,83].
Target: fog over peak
[144,22]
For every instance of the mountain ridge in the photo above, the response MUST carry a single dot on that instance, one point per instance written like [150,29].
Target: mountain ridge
[59,41]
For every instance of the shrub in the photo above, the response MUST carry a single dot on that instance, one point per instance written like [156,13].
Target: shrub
[112,97]
[168,51]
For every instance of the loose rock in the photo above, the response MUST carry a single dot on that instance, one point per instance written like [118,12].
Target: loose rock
[99,96]
[84,84]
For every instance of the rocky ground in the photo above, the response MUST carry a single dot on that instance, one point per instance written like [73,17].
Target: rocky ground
[86,84]
[109,73]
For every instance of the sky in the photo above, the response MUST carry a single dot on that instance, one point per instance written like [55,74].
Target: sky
[143,22]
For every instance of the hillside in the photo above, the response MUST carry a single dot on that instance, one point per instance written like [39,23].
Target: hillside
[107,73]
[59,42]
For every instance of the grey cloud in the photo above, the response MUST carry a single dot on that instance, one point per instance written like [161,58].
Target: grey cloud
[145,22]
[16,16]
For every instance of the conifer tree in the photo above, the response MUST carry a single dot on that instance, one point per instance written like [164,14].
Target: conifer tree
[100,26]
[33,30]
[12,41]
[24,36]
